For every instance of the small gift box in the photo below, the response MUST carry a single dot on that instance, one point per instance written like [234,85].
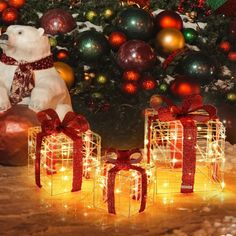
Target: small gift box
[123,185]
[187,144]
[64,153]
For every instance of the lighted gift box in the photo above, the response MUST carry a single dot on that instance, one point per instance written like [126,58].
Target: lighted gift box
[57,165]
[165,144]
[123,188]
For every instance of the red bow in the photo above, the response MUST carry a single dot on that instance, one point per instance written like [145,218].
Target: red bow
[124,161]
[72,126]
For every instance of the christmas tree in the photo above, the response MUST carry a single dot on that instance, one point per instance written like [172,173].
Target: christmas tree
[119,57]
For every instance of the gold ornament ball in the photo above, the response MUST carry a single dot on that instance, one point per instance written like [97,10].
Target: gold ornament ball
[155,101]
[169,39]
[101,79]
[66,73]
[231,97]
[108,13]
[91,15]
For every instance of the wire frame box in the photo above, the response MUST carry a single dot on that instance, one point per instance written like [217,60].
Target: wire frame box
[164,144]
[128,189]
[57,160]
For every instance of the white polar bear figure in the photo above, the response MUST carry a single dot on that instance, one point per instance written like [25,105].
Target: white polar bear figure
[26,44]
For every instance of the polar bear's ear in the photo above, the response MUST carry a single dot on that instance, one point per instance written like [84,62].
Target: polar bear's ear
[41,31]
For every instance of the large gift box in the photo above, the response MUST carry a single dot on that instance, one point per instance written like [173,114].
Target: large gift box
[65,153]
[187,144]
[123,185]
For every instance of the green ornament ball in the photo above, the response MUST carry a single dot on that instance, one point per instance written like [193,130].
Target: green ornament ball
[136,23]
[190,35]
[163,87]
[92,45]
[53,42]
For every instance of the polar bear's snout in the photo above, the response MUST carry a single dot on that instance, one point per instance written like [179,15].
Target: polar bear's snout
[4,37]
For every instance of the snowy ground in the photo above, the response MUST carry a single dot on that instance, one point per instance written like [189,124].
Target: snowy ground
[26,210]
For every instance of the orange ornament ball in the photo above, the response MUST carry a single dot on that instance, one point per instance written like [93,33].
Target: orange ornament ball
[3,5]
[10,15]
[16,3]
[155,101]
[62,54]
[116,39]
[66,72]
[148,83]
[129,87]
[131,75]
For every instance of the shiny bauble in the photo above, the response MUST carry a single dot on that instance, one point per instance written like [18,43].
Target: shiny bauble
[155,101]
[148,83]
[57,21]
[66,73]
[53,42]
[16,3]
[232,56]
[184,87]
[131,75]
[116,39]
[101,79]
[129,88]
[198,66]
[136,23]
[169,40]
[231,97]
[225,46]
[10,15]
[91,15]
[168,19]
[14,125]
[3,5]
[136,55]
[62,54]
[92,45]
[163,87]
[108,13]
[190,35]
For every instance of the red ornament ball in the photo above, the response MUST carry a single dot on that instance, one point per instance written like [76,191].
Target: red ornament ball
[3,5]
[10,15]
[148,83]
[16,3]
[155,101]
[62,54]
[57,21]
[225,46]
[183,87]
[116,39]
[131,75]
[129,87]
[232,56]
[169,19]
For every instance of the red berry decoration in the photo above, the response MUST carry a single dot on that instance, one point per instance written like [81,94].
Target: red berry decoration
[57,21]
[116,39]
[16,3]
[131,75]
[183,87]
[169,19]
[225,46]
[148,83]
[3,5]
[129,88]
[10,15]
[62,54]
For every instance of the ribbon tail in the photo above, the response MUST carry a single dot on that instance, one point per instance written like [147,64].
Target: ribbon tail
[77,165]
[189,155]
[111,189]
[39,139]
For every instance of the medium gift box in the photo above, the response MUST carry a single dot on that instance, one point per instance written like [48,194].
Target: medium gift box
[64,153]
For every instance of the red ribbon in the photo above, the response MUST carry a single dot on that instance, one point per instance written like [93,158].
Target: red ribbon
[124,162]
[185,113]
[72,126]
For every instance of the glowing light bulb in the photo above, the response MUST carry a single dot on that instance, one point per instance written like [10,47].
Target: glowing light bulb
[118,190]
[222,184]
[62,169]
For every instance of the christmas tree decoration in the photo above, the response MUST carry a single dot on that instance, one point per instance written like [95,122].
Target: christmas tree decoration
[163,87]
[16,3]
[97,96]
[65,155]
[140,3]
[108,13]
[225,46]
[53,41]
[66,73]
[62,54]
[123,185]
[168,19]
[55,21]
[131,75]
[91,15]
[155,101]
[183,87]
[135,23]
[136,55]
[129,88]
[3,5]
[193,143]
[198,66]
[148,83]
[116,39]
[232,56]
[169,40]
[231,96]
[92,45]
[14,125]
[10,15]
[101,79]
[190,35]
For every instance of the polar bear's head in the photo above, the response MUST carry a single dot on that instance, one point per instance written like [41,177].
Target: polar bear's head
[25,43]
